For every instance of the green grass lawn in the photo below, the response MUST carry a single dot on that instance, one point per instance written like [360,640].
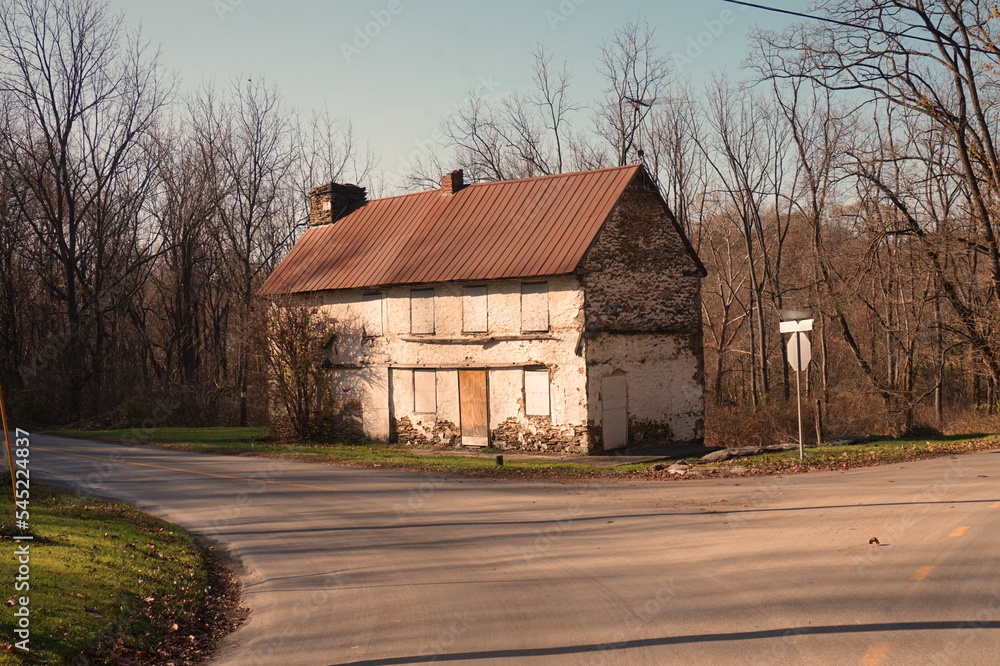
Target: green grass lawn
[865,455]
[105,578]
[254,441]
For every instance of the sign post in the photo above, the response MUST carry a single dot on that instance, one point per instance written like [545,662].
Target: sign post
[799,355]
[10,454]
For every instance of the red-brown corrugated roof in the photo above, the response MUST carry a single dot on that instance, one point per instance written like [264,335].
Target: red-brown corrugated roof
[505,229]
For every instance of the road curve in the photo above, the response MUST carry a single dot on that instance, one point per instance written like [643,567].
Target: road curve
[371,566]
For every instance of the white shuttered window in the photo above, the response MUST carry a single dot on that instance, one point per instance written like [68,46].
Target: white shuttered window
[536,392]
[424,391]
[372,314]
[474,309]
[421,311]
[534,306]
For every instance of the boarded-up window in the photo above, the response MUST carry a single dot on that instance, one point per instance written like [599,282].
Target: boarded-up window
[534,306]
[536,392]
[474,309]
[421,311]
[424,391]
[372,314]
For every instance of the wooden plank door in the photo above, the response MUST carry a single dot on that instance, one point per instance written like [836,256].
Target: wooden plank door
[472,398]
[614,418]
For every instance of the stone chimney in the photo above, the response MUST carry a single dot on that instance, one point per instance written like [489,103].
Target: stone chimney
[452,182]
[328,203]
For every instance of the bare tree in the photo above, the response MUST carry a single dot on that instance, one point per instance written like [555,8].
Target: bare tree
[331,153]
[298,361]
[84,95]
[673,155]
[935,60]
[637,77]
[746,151]
[519,135]
[254,139]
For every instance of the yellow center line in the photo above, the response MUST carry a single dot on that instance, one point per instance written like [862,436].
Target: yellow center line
[876,654]
[959,531]
[922,572]
[188,471]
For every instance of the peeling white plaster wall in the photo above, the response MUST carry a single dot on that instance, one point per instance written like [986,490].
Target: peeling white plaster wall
[503,351]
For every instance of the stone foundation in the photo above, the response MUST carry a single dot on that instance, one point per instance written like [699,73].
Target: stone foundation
[536,433]
[443,433]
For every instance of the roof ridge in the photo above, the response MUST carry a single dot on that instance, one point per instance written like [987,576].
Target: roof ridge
[527,226]
[511,180]
[550,176]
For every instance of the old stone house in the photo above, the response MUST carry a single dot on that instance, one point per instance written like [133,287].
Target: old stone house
[557,313]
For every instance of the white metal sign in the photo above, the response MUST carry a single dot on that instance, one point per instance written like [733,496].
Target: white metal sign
[799,351]
[797,322]
[795,326]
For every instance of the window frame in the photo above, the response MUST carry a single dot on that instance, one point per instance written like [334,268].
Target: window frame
[530,405]
[542,294]
[417,402]
[416,296]
[466,302]
[366,301]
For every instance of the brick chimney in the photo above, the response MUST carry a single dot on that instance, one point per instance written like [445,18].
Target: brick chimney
[328,203]
[452,182]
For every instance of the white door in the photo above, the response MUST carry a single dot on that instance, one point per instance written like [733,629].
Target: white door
[614,418]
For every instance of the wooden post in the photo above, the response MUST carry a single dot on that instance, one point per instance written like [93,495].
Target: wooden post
[819,422]
[10,452]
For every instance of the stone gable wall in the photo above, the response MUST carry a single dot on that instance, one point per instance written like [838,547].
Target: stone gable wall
[643,318]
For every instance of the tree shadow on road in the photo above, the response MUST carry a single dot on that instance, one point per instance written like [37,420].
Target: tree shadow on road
[680,640]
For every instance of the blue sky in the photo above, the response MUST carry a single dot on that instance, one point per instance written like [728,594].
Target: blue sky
[420,57]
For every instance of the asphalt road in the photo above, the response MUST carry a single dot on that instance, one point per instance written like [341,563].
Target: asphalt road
[371,566]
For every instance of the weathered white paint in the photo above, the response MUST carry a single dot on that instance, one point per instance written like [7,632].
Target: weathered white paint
[448,398]
[505,395]
[425,392]
[504,351]
[536,393]
[372,314]
[375,406]
[474,309]
[664,379]
[614,412]
[422,311]
[642,319]
[534,306]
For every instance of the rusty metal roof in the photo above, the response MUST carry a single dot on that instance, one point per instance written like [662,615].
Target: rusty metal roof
[484,231]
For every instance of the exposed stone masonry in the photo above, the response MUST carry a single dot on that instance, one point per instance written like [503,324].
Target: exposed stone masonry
[538,434]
